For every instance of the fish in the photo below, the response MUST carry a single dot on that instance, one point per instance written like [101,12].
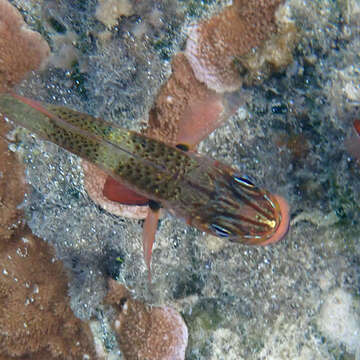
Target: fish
[207,194]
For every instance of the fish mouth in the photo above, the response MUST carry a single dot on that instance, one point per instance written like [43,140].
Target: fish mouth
[262,220]
[284,221]
[277,224]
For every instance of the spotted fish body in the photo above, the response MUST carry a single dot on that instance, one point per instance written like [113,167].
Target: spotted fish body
[205,193]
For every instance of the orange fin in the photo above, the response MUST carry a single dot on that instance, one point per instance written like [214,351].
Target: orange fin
[200,119]
[149,230]
[116,191]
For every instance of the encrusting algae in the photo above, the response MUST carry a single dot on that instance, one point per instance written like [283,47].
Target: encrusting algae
[12,185]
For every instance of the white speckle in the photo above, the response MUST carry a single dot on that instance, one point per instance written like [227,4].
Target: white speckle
[242,113]
[12,147]
[338,320]
[125,307]
[352,91]
[22,252]
[5,272]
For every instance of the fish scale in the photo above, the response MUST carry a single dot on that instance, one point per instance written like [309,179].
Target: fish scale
[205,193]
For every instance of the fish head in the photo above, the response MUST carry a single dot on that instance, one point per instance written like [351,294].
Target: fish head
[242,212]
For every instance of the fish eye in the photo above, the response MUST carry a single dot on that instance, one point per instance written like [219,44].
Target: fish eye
[244,180]
[220,230]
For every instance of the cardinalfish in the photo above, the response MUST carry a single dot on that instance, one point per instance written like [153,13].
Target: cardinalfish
[205,193]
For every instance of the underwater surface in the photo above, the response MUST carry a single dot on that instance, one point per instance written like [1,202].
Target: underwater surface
[291,126]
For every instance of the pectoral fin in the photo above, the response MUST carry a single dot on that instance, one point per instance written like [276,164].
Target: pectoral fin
[200,119]
[149,230]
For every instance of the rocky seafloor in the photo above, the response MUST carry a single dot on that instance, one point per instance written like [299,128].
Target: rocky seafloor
[297,299]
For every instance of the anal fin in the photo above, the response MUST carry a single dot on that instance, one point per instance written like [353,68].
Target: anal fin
[149,231]
[116,191]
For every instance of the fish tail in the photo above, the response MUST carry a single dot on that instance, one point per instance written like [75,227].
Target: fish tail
[72,133]
[27,113]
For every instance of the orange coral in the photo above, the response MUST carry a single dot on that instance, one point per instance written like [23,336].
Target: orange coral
[151,333]
[215,47]
[12,185]
[35,315]
[184,107]
[21,50]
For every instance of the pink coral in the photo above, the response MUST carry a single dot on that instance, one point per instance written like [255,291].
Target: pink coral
[144,332]
[21,50]
[185,109]
[215,46]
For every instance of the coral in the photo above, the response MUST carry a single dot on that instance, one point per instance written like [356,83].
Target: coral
[109,11]
[21,50]
[184,107]
[275,53]
[12,185]
[143,332]
[94,181]
[35,316]
[220,49]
